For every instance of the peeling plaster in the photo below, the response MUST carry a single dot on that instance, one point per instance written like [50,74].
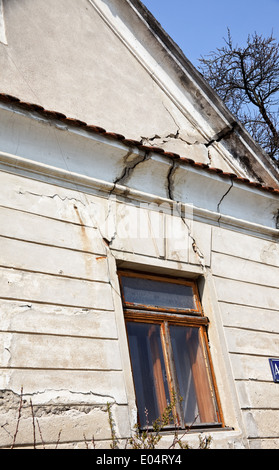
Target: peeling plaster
[54,399]
[17,410]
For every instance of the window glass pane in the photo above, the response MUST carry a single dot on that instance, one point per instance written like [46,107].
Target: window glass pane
[149,371]
[149,292]
[193,376]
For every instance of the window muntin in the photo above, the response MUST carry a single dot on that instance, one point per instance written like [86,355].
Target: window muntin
[169,354]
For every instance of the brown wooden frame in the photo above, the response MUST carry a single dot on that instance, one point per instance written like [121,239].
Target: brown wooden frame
[189,318]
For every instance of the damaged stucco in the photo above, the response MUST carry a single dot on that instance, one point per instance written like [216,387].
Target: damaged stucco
[66,227]
[174,195]
[189,143]
[154,95]
[28,423]
[70,149]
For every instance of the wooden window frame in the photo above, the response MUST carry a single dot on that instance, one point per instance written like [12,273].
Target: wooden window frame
[165,317]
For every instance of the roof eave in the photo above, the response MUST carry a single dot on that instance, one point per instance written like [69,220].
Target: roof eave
[266,169]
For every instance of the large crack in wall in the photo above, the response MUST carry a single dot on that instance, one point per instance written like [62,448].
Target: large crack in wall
[190,145]
[182,143]
[170,190]
[130,165]
[222,199]
[9,399]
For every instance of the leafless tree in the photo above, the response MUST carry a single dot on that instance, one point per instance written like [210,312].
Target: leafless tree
[247,80]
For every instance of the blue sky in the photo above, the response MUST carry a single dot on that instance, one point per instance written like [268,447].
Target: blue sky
[199,26]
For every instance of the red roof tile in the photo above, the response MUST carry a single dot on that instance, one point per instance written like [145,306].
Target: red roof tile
[5,98]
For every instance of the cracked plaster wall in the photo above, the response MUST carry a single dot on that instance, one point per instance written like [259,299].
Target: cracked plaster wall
[50,425]
[128,95]
[63,234]
[59,295]
[72,151]
[190,144]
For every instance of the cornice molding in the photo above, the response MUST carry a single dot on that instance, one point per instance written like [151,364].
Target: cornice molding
[84,184]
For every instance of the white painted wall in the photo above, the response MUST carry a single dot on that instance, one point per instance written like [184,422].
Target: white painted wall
[70,215]
[62,331]
[246,276]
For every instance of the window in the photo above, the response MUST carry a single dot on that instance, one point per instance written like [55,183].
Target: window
[169,352]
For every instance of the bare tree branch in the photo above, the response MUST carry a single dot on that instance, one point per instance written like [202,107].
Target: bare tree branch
[247,80]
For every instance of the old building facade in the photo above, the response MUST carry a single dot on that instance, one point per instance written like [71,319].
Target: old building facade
[139,237]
